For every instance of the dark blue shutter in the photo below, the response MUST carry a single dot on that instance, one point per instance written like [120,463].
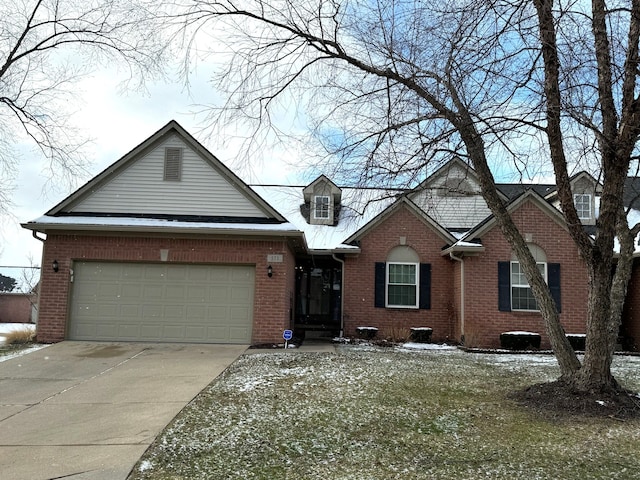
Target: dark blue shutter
[425,286]
[504,286]
[380,284]
[553,278]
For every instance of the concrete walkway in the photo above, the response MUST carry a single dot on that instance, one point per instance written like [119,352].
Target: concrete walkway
[81,410]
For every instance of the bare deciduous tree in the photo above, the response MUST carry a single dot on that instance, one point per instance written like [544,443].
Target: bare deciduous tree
[393,87]
[45,47]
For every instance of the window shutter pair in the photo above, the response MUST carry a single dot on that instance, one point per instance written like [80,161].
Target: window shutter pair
[504,285]
[424,302]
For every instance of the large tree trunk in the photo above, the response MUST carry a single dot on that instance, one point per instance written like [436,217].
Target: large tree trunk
[567,359]
[596,368]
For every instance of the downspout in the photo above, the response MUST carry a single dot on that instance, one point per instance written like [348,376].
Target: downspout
[460,259]
[341,293]
[34,233]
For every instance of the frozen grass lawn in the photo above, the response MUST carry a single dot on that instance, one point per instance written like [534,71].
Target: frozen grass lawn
[382,414]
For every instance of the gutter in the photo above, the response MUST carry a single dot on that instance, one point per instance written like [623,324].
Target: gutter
[461,260]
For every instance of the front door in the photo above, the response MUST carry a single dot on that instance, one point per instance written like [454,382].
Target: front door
[318,299]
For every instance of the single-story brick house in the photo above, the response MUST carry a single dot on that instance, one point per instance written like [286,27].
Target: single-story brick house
[169,245]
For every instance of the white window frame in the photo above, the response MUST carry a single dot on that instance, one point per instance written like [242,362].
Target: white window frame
[319,210]
[581,210]
[524,285]
[416,284]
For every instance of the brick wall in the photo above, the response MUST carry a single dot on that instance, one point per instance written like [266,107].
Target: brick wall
[272,296]
[16,307]
[631,314]
[483,320]
[359,309]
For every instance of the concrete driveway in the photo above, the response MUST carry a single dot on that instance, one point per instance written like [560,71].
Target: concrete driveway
[82,410]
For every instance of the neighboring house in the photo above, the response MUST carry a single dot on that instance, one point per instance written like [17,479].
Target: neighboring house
[167,244]
[17,307]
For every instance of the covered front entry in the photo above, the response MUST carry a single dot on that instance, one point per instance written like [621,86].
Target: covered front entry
[159,302]
[318,297]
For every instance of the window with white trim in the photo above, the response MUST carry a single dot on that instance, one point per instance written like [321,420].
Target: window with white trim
[402,285]
[321,207]
[521,294]
[582,201]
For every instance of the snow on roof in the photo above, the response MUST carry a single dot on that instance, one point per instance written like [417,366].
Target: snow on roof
[154,224]
[633,217]
[359,206]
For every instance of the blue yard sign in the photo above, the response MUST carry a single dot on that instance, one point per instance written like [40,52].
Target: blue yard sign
[287,335]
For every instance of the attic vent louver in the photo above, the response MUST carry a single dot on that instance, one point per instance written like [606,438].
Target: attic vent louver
[172,163]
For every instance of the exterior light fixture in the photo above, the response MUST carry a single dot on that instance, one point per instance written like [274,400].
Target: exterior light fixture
[55,266]
[269,271]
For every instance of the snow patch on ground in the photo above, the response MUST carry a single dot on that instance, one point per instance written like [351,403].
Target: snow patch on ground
[426,346]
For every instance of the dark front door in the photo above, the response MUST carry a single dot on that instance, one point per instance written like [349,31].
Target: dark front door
[318,299]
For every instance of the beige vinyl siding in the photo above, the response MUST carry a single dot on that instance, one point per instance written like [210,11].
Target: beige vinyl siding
[152,302]
[140,188]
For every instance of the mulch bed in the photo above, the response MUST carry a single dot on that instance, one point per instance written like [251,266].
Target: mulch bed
[557,400]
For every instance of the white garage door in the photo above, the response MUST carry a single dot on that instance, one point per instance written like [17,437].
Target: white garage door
[161,302]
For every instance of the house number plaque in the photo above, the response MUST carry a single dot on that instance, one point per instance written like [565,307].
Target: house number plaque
[275,258]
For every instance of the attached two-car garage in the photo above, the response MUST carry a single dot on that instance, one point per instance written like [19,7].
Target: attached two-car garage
[161,302]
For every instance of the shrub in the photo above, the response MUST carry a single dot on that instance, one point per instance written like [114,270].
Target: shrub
[19,336]
[520,340]
[396,334]
[471,337]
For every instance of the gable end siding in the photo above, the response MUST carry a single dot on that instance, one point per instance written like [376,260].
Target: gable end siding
[140,188]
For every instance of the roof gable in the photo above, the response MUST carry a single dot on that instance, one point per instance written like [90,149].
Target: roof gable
[529,195]
[452,196]
[417,211]
[135,185]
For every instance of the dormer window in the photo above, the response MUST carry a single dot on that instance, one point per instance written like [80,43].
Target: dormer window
[582,202]
[321,207]
[172,164]
[321,202]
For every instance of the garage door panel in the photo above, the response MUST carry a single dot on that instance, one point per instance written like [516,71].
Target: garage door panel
[177,292]
[108,310]
[153,291]
[131,290]
[236,334]
[130,272]
[199,276]
[106,330]
[219,294]
[177,273]
[239,314]
[128,331]
[158,302]
[241,275]
[240,295]
[174,312]
[196,312]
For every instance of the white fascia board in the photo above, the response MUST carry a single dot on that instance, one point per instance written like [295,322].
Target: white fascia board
[119,224]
